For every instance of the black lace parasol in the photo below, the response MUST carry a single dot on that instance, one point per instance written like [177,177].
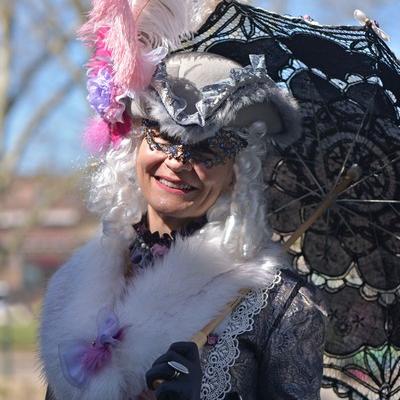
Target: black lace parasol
[347,83]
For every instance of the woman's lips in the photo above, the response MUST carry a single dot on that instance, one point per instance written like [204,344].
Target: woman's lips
[173,186]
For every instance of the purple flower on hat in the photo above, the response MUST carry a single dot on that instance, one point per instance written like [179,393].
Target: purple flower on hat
[100,88]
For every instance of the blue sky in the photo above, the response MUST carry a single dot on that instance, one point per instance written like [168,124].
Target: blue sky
[387,14]
[56,146]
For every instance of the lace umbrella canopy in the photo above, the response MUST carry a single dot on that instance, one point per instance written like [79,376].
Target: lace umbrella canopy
[347,83]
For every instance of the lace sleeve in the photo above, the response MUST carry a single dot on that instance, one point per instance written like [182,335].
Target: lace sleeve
[291,366]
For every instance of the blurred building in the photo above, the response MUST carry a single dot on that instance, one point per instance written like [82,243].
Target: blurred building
[42,221]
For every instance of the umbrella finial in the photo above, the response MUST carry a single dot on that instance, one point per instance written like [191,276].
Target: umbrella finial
[362,18]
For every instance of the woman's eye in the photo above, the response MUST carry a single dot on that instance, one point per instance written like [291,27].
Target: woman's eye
[161,140]
[205,152]
[203,157]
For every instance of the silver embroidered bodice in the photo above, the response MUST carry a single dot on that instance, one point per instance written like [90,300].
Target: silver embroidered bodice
[272,347]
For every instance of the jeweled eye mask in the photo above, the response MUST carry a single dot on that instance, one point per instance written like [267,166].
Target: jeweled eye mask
[210,152]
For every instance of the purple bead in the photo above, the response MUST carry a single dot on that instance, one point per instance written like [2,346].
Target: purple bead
[212,339]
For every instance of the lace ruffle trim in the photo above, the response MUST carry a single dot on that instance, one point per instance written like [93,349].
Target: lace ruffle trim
[217,362]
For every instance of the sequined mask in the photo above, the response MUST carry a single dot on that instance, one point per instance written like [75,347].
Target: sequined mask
[210,152]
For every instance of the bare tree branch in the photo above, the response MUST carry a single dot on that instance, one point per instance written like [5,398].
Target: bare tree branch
[9,163]
[6,13]
[34,67]
[52,48]
[82,8]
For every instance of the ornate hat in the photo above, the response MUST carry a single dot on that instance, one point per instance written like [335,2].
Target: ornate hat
[194,95]
[191,96]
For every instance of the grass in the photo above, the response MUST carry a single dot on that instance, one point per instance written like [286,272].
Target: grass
[22,337]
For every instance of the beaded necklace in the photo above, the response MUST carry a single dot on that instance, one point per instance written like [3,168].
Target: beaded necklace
[147,245]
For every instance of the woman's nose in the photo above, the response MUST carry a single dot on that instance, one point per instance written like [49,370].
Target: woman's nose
[178,164]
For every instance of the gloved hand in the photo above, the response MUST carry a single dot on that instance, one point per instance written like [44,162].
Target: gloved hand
[184,386]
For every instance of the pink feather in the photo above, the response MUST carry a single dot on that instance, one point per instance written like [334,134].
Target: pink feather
[132,69]
[101,57]
[139,33]
[96,137]
[99,17]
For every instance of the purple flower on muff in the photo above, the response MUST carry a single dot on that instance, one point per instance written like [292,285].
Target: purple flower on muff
[100,91]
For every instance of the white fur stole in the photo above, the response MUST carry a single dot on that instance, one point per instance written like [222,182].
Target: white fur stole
[163,304]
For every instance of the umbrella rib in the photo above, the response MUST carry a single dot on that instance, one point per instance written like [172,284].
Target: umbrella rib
[329,113]
[288,204]
[353,143]
[310,172]
[378,248]
[391,205]
[301,186]
[368,201]
[369,222]
[328,211]
[346,223]
[371,174]
[310,192]
[317,131]
[308,189]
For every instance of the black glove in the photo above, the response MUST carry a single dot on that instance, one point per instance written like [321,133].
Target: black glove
[183,387]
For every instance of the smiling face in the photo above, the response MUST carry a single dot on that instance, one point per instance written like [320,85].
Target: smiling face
[177,190]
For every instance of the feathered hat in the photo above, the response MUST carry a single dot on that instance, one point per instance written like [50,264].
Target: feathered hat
[191,96]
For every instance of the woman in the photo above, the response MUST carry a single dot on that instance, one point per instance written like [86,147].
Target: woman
[182,199]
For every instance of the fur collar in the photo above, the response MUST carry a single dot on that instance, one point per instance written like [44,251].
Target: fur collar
[163,304]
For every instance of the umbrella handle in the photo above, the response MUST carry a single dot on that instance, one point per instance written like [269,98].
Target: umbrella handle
[352,175]
[200,337]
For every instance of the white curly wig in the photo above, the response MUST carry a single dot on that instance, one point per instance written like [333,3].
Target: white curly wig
[241,214]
